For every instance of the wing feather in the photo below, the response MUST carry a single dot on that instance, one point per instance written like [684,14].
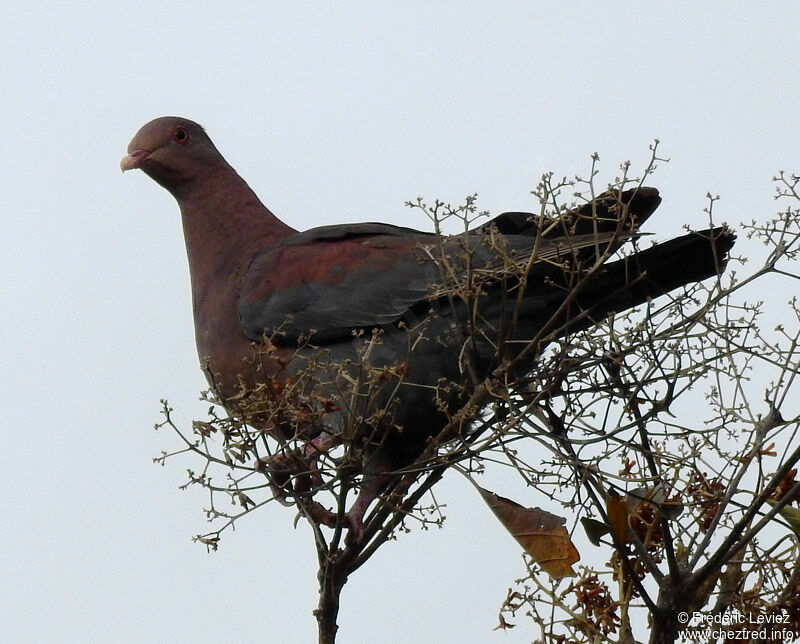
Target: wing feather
[325,283]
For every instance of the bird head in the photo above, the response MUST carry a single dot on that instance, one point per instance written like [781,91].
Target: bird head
[173,151]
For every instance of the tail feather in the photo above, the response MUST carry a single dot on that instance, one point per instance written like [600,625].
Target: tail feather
[656,271]
[616,287]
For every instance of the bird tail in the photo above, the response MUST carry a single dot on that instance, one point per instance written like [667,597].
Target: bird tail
[650,273]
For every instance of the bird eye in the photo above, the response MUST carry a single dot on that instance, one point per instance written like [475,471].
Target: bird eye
[180,135]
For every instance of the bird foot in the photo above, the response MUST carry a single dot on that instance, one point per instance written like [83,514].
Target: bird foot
[353,521]
[354,518]
[295,473]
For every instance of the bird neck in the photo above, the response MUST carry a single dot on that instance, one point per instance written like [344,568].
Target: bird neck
[224,225]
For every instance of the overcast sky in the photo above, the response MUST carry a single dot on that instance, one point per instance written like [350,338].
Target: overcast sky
[332,112]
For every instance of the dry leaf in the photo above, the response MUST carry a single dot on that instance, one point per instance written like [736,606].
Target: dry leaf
[503,625]
[540,533]
[617,510]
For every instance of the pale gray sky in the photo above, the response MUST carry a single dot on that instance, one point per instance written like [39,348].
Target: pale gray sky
[333,112]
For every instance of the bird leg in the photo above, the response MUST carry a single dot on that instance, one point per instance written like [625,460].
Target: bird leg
[372,486]
[294,473]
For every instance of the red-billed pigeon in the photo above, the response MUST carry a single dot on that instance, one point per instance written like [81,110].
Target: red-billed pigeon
[256,283]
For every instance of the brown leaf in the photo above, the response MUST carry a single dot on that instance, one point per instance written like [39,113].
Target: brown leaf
[785,485]
[617,510]
[540,533]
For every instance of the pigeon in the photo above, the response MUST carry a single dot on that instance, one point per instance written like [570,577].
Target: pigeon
[378,334]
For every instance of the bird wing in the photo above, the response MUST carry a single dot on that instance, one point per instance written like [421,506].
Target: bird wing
[326,282]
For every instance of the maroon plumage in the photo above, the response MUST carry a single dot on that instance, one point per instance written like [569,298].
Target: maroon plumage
[253,277]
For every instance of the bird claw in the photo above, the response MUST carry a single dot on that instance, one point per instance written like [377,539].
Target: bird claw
[279,478]
[353,521]
[290,477]
[294,473]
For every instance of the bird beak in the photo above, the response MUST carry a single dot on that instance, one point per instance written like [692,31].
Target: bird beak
[134,160]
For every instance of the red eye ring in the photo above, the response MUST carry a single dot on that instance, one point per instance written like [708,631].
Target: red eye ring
[180,135]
